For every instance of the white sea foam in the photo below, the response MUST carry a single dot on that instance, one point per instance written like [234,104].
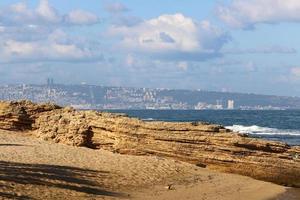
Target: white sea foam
[148,119]
[258,130]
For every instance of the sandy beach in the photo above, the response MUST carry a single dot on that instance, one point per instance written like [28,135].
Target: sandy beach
[34,169]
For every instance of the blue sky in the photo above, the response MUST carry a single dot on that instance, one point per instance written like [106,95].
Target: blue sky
[249,46]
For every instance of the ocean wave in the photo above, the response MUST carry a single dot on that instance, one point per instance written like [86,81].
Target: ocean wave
[148,119]
[258,130]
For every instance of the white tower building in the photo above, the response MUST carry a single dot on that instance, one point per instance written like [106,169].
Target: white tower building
[230,104]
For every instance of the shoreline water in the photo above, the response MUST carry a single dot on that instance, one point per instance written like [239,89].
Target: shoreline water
[278,125]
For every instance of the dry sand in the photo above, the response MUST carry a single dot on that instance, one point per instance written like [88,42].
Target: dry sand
[35,169]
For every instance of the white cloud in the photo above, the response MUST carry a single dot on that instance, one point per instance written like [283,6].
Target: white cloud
[57,47]
[47,12]
[81,17]
[129,60]
[183,66]
[2,29]
[30,35]
[295,72]
[262,50]
[20,8]
[116,7]
[15,48]
[34,51]
[247,13]
[43,15]
[126,20]
[170,35]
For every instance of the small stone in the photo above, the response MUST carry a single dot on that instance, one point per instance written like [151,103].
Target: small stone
[170,187]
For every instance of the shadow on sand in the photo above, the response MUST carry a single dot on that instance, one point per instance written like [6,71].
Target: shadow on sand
[70,178]
[12,145]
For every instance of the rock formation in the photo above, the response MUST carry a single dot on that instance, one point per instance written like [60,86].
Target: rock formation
[21,115]
[205,145]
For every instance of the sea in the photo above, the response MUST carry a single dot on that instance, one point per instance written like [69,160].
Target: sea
[278,125]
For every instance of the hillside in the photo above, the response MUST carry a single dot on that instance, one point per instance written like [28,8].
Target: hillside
[100,97]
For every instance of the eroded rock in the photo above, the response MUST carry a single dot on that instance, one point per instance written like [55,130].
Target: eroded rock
[21,115]
[203,144]
[64,126]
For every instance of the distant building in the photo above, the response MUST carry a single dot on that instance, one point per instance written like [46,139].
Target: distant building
[50,82]
[219,105]
[200,106]
[230,104]
[101,97]
[206,106]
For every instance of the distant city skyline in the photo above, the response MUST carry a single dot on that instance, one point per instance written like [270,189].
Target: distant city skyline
[247,46]
[104,97]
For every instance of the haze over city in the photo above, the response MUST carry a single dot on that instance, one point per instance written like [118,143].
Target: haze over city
[236,46]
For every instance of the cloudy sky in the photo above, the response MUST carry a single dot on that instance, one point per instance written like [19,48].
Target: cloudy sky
[222,45]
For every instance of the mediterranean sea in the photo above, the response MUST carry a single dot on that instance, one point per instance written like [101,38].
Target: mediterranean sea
[279,125]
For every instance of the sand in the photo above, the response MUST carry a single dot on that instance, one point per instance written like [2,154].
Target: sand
[34,169]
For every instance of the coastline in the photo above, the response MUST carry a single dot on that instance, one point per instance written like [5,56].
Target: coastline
[49,151]
[265,124]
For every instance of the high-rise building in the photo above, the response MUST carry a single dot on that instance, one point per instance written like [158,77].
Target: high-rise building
[230,104]
[219,105]
[50,82]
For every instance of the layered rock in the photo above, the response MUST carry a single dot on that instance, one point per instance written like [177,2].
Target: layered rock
[21,115]
[202,144]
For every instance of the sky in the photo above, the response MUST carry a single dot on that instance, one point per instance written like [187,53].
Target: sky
[248,46]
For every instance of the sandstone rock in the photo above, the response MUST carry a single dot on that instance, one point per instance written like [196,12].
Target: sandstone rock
[21,115]
[203,144]
[64,126]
